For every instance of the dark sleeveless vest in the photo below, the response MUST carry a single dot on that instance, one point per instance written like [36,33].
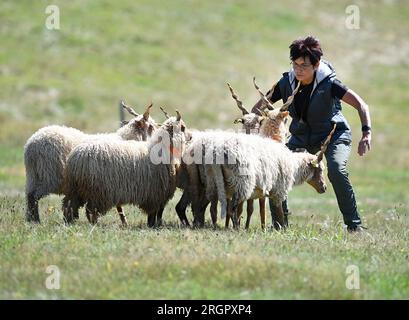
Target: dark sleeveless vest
[323,111]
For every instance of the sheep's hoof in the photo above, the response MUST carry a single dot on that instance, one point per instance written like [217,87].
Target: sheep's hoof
[277,226]
[285,220]
[68,221]
[32,219]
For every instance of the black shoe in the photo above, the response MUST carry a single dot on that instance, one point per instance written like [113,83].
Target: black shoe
[355,228]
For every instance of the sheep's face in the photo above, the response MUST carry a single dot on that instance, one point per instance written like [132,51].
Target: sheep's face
[317,179]
[178,135]
[176,128]
[138,128]
[250,122]
[273,125]
[277,116]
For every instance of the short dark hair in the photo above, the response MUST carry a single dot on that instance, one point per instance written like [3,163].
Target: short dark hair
[308,47]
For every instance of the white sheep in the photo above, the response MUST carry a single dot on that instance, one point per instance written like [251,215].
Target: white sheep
[46,151]
[270,124]
[256,167]
[113,173]
[193,177]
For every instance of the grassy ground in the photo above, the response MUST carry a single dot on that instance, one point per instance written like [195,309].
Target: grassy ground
[180,54]
[307,261]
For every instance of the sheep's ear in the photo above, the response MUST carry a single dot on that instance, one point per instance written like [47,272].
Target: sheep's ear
[150,129]
[238,120]
[260,119]
[314,163]
[178,116]
[124,123]
[264,113]
[138,123]
[284,113]
[147,112]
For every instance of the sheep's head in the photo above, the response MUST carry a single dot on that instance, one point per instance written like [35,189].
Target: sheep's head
[176,126]
[174,135]
[273,124]
[277,115]
[317,180]
[139,128]
[251,122]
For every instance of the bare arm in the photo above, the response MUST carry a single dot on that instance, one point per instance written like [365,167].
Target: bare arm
[354,100]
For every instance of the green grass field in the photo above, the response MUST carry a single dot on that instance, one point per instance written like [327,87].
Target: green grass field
[181,54]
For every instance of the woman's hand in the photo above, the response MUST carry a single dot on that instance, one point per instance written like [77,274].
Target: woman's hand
[365,143]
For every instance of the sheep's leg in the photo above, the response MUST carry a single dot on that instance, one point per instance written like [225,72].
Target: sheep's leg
[88,214]
[227,222]
[262,204]
[70,207]
[285,219]
[67,210]
[197,195]
[239,213]
[200,210]
[250,209]
[181,208]
[32,207]
[94,217]
[159,214]
[91,213]
[75,205]
[230,217]
[232,206]
[122,216]
[229,214]
[76,214]
[213,211]
[219,182]
[278,220]
[151,219]
[286,212]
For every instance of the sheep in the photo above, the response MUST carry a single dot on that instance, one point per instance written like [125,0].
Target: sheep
[269,124]
[46,151]
[113,173]
[251,174]
[192,180]
[272,125]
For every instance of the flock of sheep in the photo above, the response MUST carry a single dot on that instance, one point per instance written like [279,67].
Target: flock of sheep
[143,163]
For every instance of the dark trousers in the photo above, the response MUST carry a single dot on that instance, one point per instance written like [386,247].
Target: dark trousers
[337,155]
